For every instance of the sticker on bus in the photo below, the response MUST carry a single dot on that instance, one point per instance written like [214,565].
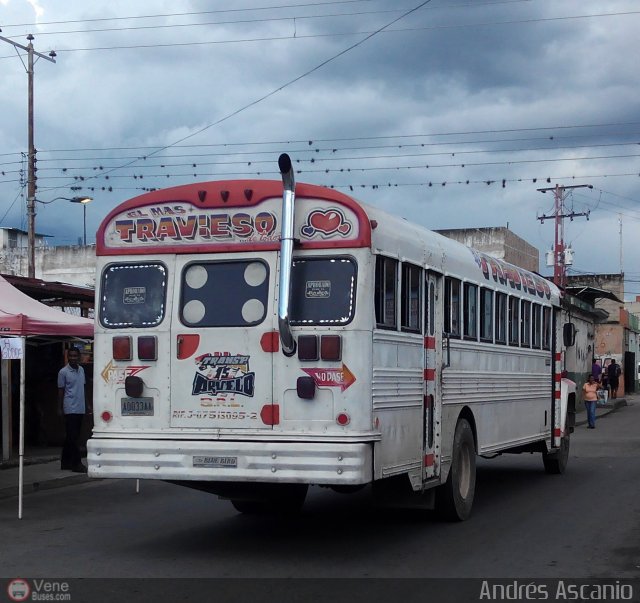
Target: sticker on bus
[230,462]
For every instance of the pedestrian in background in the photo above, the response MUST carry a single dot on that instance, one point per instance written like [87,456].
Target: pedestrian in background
[613,373]
[71,384]
[590,397]
[596,370]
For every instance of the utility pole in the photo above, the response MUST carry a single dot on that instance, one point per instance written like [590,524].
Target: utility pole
[559,265]
[620,225]
[31,167]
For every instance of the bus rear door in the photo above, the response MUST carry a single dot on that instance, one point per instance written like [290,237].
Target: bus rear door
[221,370]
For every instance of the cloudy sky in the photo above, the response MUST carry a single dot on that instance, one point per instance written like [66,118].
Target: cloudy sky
[450,113]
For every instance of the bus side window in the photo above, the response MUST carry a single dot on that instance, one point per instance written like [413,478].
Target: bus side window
[411,299]
[432,309]
[536,326]
[525,333]
[514,320]
[501,318]
[386,283]
[470,311]
[486,314]
[452,306]
[546,328]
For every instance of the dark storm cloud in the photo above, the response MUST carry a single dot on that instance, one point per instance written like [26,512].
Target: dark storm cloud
[500,70]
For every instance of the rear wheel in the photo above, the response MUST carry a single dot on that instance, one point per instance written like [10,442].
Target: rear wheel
[454,499]
[286,499]
[555,463]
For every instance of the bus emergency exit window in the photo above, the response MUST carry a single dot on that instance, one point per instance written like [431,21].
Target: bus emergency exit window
[232,293]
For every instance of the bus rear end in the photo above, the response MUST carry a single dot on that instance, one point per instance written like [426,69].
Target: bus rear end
[199,381]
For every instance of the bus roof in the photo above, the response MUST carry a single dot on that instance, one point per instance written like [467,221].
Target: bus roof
[244,215]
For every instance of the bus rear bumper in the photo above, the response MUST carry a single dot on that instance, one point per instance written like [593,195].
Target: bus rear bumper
[327,463]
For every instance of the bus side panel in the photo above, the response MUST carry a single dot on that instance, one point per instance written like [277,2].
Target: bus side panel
[398,401]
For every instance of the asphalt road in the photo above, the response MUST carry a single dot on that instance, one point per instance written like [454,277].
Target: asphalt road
[525,523]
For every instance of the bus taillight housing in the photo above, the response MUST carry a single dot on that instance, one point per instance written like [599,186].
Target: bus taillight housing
[330,347]
[148,347]
[121,347]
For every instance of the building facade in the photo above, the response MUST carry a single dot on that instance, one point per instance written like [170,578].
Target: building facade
[72,264]
[617,336]
[498,242]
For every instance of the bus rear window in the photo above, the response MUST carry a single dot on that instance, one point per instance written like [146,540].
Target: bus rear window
[323,291]
[224,294]
[133,295]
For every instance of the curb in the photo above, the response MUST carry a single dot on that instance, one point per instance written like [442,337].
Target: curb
[49,484]
[13,464]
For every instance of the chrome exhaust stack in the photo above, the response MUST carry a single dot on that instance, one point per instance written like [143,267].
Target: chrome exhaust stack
[286,254]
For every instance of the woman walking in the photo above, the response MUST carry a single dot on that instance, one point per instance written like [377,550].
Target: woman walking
[590,397]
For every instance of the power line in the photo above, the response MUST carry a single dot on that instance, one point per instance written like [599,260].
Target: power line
[189,14]
[285,85]
[298,36]
[319,160]
[209,23]
[85,183]
[386,137]
[249,9]
[334,151]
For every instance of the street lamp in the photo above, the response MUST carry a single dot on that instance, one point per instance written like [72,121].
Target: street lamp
[84,201]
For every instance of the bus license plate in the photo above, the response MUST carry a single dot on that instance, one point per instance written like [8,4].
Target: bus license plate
[216,461]
[136,407]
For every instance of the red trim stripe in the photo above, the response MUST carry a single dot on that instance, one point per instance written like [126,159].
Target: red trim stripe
[557,432]
[430,343]
[558,356]
[429,460]
[556,394]
[429,374]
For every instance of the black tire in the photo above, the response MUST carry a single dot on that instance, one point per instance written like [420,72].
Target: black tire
[555,463]
[454,499]
[287,499]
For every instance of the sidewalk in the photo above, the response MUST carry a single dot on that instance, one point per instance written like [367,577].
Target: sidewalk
[41,472]
[42,466]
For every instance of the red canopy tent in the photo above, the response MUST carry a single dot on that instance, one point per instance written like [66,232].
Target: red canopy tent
[22,316]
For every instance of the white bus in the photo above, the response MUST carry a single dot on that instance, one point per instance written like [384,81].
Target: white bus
[254,337]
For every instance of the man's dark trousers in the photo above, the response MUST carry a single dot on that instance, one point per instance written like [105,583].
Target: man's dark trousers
[70,451]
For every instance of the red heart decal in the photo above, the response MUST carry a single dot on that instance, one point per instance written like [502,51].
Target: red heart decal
[326,222]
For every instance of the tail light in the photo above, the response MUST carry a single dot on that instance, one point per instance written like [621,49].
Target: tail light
[106,416]
[308,347]
[148,347]
[121,348]
[331,347]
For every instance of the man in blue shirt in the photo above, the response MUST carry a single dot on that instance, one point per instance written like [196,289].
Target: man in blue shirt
[71,400]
